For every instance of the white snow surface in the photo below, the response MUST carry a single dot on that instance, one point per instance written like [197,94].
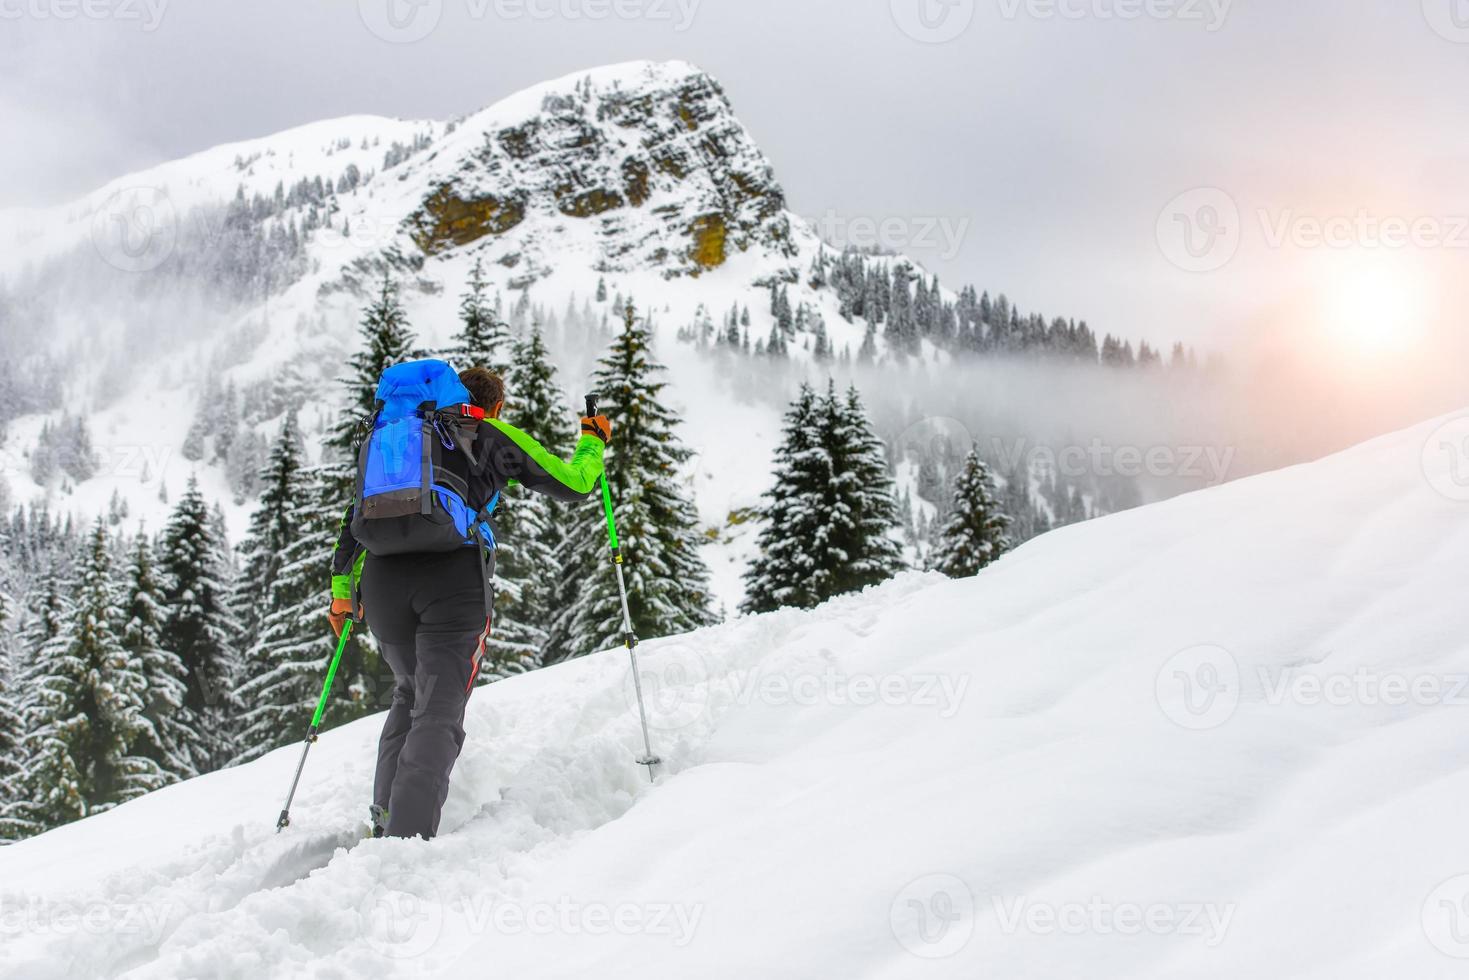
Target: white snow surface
[1009,776]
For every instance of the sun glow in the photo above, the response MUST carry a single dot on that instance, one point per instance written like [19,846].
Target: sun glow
[1373,301]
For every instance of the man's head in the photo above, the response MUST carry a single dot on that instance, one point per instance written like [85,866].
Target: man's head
[486,390]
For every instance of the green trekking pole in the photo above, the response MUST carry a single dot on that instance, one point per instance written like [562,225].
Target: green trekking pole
[326,689]
[628,636]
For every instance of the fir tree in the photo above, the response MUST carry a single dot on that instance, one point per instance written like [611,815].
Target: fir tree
[271,530]
[482,338]
[792,553]
[196,627]
[387,339]
[873,554]
[867,353]
[667,580]
[527,525]
[832,513]
[14,823]
[285,662]
[974,534]
[173,738]
[195,441]
[88,712]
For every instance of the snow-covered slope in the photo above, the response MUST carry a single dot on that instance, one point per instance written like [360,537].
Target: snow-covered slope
[1221,736]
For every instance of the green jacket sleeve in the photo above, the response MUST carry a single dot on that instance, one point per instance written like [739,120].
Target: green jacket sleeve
[520,459]
[347,559]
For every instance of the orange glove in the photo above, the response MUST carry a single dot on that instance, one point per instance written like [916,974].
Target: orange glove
[341,609]
[599,427]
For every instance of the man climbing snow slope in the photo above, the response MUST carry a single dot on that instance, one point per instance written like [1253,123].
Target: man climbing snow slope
[417,546]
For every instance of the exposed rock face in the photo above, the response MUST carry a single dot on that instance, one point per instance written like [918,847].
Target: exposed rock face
[650,157]
[447,219]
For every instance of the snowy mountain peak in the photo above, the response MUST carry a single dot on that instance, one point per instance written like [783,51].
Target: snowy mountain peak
[633,166]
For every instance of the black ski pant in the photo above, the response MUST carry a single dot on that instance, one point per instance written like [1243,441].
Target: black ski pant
[428,614]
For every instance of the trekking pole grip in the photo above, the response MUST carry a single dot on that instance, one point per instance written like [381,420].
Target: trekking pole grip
[591,406]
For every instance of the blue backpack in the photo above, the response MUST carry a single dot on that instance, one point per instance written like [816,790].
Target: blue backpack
[414,465]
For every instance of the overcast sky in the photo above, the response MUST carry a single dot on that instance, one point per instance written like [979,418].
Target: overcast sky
[1029,146]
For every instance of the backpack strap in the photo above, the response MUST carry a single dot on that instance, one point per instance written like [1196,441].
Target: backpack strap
[485,549]
[426,476]
[367,425]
